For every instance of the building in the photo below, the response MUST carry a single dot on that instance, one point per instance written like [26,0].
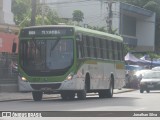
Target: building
[8,29]
[8,36]
[135,24]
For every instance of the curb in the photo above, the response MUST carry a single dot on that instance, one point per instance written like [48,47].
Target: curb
[125,91]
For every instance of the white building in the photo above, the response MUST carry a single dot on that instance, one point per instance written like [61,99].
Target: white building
[135,24]
[6,16]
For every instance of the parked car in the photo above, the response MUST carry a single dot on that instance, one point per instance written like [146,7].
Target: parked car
[150,81]
[139,74]
[156,68]
[131,81]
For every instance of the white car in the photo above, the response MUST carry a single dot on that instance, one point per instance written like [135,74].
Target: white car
[150,81]
[156,68]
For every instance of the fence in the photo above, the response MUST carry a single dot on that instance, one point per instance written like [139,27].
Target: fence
[8,68]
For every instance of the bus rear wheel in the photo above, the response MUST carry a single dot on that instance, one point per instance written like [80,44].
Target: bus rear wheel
[102,94]
[141,90]
[67,95]
[107,93]
[82,94]
[110,91]
[148,91]
[37,95]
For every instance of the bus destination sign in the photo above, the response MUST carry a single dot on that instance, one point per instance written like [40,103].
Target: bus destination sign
[46,32]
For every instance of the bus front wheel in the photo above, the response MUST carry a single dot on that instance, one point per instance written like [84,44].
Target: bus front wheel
[37,95]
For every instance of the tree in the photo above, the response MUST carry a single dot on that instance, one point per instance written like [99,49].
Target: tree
[21,10]
[78,16]
[22,13]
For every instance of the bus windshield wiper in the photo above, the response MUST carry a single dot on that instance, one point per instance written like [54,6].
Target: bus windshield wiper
[55,44]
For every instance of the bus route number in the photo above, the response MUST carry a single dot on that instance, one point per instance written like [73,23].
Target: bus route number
[32,32]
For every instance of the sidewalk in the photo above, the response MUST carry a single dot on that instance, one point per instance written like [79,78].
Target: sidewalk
[12,96]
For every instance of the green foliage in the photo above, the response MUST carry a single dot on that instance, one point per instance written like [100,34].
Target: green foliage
[78,16]
[153,55]
[22,14]
[127,49]
[21,9]
[102,29]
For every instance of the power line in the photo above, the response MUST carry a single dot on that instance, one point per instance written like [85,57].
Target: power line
[67,2]
[75,5]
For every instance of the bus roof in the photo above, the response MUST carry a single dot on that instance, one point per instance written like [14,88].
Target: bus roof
[99,33]
[86,31]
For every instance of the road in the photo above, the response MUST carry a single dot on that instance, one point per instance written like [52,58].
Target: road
[129,101]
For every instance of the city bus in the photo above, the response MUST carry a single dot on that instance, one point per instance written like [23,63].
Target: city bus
[69,60]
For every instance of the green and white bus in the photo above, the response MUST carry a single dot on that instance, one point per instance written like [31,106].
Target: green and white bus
[69,60]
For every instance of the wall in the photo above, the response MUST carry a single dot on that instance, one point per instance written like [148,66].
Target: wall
[6,16]
[94,12]
[116,17]
[6,42]
[145,33]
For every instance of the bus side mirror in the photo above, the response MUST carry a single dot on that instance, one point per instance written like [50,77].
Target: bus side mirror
[14,47]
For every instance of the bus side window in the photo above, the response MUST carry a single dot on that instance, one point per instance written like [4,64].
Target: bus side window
[79,45]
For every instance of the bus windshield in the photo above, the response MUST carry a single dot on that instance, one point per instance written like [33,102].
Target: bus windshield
[46,57]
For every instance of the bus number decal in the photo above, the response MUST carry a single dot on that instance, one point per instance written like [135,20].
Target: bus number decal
[32,32]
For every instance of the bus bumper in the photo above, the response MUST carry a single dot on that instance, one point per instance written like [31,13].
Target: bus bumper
[74,84]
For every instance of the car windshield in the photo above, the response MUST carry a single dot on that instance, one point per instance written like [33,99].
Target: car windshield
[151,74]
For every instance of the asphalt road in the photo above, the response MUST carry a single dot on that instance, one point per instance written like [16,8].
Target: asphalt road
[130,101]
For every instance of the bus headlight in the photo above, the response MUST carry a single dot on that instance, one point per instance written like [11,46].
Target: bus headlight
[24,79]
[70,76]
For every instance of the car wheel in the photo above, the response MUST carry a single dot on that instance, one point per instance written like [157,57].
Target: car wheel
[148,91]
[141,90]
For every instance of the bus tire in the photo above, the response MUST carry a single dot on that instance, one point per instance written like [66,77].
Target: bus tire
[68,95]
[148,91]
[37,95]
[82,94]
[141,90]
[102,94]
[109,91]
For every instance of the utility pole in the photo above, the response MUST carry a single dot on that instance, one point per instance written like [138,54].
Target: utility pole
[110,15]
[43,11]
[34,4]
